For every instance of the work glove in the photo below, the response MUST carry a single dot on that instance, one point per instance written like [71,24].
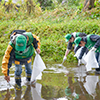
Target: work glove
[79,62]
[93,49]
[64,58]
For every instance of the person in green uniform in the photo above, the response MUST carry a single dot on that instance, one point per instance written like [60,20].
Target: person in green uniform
[20,51]
[70,39]
[92,42]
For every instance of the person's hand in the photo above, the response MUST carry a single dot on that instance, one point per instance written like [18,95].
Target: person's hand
[7,78]
[79,62]
[93,49]
[38,50]
[64,58]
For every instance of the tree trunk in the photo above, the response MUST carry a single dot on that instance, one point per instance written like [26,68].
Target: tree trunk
[91,4]
[88,4]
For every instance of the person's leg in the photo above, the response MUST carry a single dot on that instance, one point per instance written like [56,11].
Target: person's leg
[28,71]
[97,58]
[18,71]
[87,50]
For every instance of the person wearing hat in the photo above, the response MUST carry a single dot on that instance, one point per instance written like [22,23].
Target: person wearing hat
[70,90]
[92,42]
[19,52]
[70,39]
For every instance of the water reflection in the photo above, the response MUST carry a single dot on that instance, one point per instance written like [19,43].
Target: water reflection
[90,84]
[76,91]
[8,95]
[58,83]
[36,92]
[97,97]
[27,95]
[82,86]
[18,94]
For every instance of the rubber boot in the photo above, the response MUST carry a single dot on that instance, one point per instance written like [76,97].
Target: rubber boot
[18,83]
[28,79]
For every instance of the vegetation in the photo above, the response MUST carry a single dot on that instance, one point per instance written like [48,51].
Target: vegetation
[50,25]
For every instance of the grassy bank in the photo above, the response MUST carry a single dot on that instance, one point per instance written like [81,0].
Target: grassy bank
[50,26]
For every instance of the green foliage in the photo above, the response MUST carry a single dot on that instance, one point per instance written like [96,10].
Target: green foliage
[80,7]
[96,3]
[59,1]
[54,86]
[51,26]
[73,2]
[54,79]
[46,4]
[26,8]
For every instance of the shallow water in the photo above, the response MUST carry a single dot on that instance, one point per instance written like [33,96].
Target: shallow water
[59,82]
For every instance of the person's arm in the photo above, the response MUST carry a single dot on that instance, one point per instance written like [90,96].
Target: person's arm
[75,50]
[82,52]
[69,47]
[7,63]
[36,43]
[82,34]
[96,39]
[67,51]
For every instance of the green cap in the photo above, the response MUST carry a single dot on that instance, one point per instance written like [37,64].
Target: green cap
[68,36]
[76,97]
[20,43]
[77,40]
[67,91]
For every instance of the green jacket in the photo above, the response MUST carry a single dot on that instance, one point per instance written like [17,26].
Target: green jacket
[29,48]
[11,55]
[90,43]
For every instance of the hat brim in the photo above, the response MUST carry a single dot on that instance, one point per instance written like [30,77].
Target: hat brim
[20,48]
[77,45]
[67,40]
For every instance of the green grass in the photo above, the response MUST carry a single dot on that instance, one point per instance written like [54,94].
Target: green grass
[50,26]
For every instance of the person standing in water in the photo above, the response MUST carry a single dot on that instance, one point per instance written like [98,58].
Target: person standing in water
[20,51]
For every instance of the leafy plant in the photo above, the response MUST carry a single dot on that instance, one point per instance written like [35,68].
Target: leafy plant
[50,26]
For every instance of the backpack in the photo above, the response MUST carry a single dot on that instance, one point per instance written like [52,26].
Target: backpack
[14,34]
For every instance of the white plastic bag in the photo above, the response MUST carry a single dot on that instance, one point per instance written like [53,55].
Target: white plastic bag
[78,53]
[90,84]
[36,92]
[91,61]
[38,67]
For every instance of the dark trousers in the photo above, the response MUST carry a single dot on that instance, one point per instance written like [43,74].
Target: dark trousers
[97,58]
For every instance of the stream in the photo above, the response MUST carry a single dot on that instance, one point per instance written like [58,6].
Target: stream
[58,82]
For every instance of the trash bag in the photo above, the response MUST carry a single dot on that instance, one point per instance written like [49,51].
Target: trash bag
[91,61]
[90,84]
[38,67]
[36,92]
[78,53]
